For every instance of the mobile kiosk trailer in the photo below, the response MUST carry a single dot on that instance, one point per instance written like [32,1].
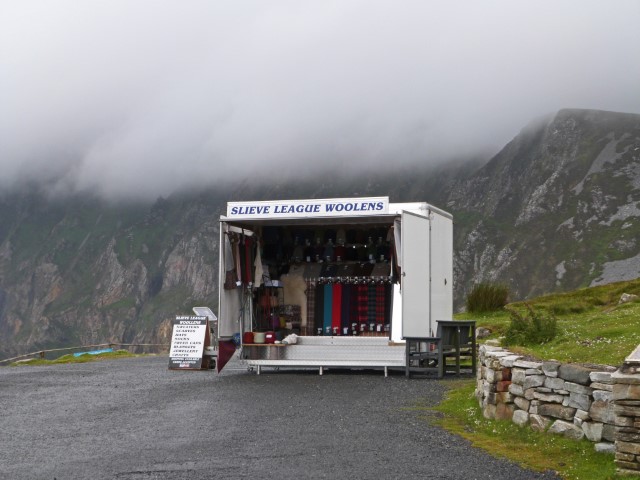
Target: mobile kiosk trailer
[351,277]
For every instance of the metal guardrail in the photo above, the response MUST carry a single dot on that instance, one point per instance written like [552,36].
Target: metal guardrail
[41,353]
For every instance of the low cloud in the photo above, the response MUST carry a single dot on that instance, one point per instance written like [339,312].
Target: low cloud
[139,99]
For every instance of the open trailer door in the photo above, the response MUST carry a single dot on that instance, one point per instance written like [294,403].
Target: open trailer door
[416,276]
[234,291]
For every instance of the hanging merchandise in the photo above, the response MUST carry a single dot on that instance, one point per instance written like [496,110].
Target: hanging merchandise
[336,308]
[328,308]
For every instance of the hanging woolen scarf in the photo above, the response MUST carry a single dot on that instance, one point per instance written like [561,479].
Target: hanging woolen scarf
[319,309]
[345,318]
[328,303]
[336,307]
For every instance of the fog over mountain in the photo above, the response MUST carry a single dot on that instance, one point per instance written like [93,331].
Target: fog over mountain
[140,99]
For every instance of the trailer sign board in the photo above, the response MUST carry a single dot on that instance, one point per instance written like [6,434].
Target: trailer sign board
[341,207]
[188,342]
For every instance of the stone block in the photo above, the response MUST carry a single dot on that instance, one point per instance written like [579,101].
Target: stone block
[577,388]
[516,390]
[602,411]
[578,400]
[575,373]
[494,364]
[600,377]
[605,447]
[569,430]
[628,436]
[529,393]
[517,376]
[520,418]
[488,388]
[504,397]
[504,411]
[602,396]
[503,386]
[531,381]
[543,390]
[554,383]
[550,368]
[593,431]
[624,422]
[626,411]
[626,447]
[577,422]
[582,415]
[629,466]
[509,360]
[522,403]
[623,391]
[539,423]
[608,433]
[533,371]
[533,409]
[489,411]
[556,411]
[481,372]
[491,399]
[602,386]
[549,397]
[506,374]
[625,457]
[620,377]
[490,375]
[526,364]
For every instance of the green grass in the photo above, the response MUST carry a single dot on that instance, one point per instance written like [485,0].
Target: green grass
[70,358]
[459,413]
[592,327]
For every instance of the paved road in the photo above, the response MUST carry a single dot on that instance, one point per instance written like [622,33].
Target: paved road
[133,419]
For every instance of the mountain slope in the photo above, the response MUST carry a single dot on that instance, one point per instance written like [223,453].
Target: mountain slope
[556,209]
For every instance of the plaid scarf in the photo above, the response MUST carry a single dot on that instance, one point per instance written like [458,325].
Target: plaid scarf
[319,310]
[372,304]
[336,306]
[345,310]
[380,304]
[362,302]
[327,310]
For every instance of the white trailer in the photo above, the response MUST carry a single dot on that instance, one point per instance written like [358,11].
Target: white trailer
[418,289]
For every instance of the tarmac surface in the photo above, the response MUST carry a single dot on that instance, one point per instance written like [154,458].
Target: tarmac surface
[133,419]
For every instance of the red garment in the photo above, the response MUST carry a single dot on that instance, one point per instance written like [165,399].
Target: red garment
[363,303]
[336,306]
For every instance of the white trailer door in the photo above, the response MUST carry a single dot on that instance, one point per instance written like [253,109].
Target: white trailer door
[416,273]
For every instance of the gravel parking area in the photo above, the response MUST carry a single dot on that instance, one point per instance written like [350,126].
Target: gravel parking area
[133,419]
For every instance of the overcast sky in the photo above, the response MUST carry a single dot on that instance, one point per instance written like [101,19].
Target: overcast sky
[143,97]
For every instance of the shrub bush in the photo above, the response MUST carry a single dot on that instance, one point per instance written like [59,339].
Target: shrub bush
[487,297]
[535,328]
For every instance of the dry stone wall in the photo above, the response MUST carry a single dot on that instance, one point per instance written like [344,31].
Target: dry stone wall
[568,399]
[596,402]
[626,407]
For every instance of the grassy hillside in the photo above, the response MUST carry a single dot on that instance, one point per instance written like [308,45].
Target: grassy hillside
[592,326]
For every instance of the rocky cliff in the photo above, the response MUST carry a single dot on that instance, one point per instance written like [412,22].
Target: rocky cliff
[556,209]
